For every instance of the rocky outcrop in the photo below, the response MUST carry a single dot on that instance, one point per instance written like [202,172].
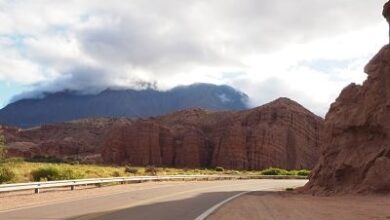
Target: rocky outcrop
[281,134]
[79,140]
[146,142]
[356,154]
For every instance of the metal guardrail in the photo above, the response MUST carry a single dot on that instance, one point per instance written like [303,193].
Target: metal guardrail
[36,186]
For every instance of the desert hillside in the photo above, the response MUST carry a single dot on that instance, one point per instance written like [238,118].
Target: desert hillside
[280,134]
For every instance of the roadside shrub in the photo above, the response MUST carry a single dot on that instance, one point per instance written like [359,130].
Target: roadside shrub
[69,174]
[116,174]
[219,169]
[274,171]
[303,173]
[151,170]
[3,150]
[45,174]
[6,174]
[132,170]
[53,173]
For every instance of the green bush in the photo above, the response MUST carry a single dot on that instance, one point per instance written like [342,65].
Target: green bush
[278,171]
[53,173]
[303,173]
[274,171]
[45,174]
[132,170]
[6,174]
[219,169]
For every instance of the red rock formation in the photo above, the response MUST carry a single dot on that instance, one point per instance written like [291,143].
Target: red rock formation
[356,156]
[281,133]
[142,142]
[78,140]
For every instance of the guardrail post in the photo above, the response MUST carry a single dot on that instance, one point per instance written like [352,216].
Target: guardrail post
[36,190]
[72,187]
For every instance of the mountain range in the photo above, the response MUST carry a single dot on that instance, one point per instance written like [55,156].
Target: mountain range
[70,105]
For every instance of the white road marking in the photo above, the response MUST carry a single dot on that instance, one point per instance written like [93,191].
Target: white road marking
[207,213]
[210,211]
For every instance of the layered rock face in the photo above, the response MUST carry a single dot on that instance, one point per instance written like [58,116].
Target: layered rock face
[79,140]
[281,134]
[356,154]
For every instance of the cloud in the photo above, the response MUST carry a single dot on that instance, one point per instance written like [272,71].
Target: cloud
[307,49]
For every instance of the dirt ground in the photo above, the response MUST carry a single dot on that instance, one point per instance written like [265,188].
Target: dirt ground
[286,206]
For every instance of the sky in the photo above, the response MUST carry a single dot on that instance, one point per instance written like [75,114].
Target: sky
[307,50]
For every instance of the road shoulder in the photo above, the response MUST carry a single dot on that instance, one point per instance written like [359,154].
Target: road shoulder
[285,205]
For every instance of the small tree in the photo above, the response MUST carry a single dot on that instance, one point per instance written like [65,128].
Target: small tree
[3,150]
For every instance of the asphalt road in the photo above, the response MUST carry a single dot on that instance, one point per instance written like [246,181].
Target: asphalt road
[172,201]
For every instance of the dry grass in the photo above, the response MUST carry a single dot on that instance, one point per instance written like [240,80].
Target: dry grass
[23,170]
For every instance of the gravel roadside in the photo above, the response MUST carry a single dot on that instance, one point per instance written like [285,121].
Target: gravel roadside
[285,205]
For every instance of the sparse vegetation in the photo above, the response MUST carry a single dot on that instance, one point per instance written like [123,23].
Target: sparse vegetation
[6,174]
[46,173]
[151,170]
[274,171]
[55,173]
[278,172]
[23,171]
[116,174]
[3,150]
[130,169]
[219,169]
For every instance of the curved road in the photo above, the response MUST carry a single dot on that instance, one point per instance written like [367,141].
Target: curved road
[187,200]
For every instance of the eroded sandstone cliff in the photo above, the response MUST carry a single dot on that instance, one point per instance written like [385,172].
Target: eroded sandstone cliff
[356,153]
[280,134]
[78,140]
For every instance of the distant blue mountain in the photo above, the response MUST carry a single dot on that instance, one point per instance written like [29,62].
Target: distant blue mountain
[68,105]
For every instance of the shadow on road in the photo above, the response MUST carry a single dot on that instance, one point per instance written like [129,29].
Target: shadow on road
[180,208]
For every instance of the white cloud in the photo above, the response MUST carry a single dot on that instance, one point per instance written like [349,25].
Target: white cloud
[307,49]
[16,68]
